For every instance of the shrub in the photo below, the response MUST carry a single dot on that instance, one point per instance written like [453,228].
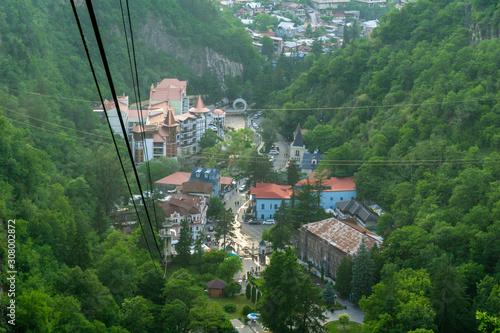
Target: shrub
[247,309]
[230,308]
[248,291]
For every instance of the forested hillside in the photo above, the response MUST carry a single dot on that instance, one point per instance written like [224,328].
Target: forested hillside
[40,41]
[60,178]
[414,114]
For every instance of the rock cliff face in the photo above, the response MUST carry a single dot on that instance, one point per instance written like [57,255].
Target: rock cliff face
[201,60]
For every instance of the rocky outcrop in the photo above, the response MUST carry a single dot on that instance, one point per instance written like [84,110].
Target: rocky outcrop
[201,60]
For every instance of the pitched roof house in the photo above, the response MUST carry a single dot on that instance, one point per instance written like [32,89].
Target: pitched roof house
[355,209]
[179,207]
[325,243]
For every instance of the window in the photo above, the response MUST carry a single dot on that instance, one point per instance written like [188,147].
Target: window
[297,153]
[270,206]
[331,198]
[262,216]
[262,206]
[275,206]
[341,198]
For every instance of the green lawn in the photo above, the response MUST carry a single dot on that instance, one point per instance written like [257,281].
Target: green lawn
[239,301]
[335,327]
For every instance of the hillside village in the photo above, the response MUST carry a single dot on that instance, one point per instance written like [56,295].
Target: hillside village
[358,189]
[293,35]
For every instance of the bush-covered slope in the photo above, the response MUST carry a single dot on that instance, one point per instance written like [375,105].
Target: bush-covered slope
[414,112]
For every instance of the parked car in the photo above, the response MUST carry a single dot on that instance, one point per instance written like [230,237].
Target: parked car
[273,152]
[210,228]
[253,222]
[242,188]
[270,221]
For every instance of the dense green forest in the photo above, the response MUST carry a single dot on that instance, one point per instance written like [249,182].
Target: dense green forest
[414,114]
[60,176]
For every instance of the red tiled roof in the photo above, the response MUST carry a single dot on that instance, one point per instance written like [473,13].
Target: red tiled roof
[168,90]
[157,138]
[199,107]
[335,184]
[182,204]
[343,235]
[197,186]
[177,178]
[226,180]
[271,191]
[138,129]
[183,117]
[136,114]
[218,112]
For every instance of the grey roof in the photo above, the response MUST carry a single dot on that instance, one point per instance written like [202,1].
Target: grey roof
[354,207]
[307,160]
[287,25]
[298,141]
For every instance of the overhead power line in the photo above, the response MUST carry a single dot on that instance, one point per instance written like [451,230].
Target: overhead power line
[325,108]
[75,13]
[54,124]
[104,59]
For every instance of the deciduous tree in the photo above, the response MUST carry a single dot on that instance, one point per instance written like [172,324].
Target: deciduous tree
[289,298]
[229,267]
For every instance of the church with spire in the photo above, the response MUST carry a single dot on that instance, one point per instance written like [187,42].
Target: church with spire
[298,147]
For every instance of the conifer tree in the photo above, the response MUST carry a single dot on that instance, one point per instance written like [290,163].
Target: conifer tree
[183,247]
[80,247]
[248,291]
[225,226]
[363,269]
[344,276]
[329,294]
[254,294]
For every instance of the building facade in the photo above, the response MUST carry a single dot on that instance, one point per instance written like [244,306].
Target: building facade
[325,243]
[179,207]
[267,197]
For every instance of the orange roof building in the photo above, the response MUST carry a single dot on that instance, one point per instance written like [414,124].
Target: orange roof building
[172,91]
[266,198]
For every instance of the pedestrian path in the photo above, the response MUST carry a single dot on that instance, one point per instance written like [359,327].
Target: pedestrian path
[353,311]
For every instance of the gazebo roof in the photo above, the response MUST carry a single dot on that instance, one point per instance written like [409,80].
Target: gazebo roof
[216,284]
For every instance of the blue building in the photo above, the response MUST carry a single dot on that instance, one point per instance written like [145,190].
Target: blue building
[206,175]
[266,198]
[310,161]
